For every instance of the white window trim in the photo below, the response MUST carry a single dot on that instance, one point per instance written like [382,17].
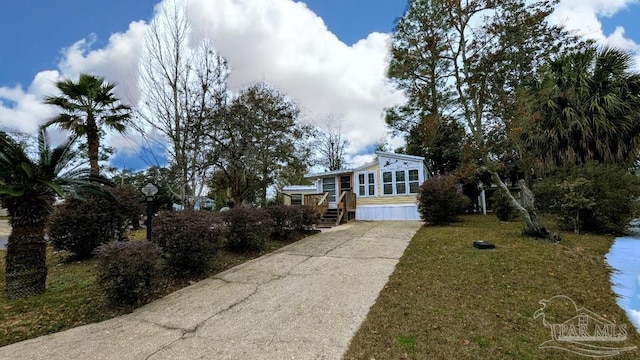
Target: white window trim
[366,183]
[394,182]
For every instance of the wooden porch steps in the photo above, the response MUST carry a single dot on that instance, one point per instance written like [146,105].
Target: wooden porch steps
[328,219]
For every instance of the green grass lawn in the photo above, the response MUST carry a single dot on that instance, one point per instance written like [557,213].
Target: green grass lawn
[72,297]
[447,300]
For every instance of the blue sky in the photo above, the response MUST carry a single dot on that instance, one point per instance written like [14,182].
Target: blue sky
[628,16]
[330,58]
[42,28]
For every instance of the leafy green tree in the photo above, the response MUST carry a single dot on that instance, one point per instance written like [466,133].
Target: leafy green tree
[586,108]
[28,188]
[257,136]
[441,147]
[592,197]
[88,106]
[421,67]
[575,198]
[468,60]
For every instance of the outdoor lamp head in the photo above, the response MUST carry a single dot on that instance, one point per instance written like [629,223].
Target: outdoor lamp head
[149,190]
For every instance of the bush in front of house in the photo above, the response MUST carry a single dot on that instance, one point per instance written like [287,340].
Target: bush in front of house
[439,201]
[309,218]
[287,220]
[188,239]
[81,225]
[247,229]
[595,197]
[128,272]
[283,220]
[502,207]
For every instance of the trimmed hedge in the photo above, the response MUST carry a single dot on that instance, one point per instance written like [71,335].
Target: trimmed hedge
[128,272]
[309,218]
[288,220]
[80,226]
[247,229]
[188,239]
[132,203]
[283,219]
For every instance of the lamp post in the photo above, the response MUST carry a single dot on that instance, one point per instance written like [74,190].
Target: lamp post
[149,191]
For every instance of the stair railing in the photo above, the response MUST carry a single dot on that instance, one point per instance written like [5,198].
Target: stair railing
[323,204]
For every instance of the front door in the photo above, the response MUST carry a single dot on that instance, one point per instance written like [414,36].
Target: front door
[329,186]
[345,183]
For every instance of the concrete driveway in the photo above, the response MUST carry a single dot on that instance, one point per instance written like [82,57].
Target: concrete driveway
[304,301]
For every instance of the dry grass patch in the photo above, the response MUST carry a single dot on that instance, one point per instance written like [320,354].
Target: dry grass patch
[447,300]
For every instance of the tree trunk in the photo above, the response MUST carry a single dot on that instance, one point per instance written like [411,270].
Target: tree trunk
[93,144]
[26,270]
[531,226]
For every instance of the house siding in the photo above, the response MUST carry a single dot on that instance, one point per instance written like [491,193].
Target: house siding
[387,200]
[387,212]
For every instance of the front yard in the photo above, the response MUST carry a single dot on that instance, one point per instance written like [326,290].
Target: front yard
[72,297]
[447,300]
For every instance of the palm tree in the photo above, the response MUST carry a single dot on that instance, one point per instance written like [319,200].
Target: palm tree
[87,106]
[587,109]
[27,189]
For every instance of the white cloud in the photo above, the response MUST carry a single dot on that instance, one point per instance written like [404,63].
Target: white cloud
[284,43]
[118,61]
[24,111]
[618,39]
[583,18]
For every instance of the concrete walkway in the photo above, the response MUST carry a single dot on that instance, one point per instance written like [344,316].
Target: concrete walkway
[304,301]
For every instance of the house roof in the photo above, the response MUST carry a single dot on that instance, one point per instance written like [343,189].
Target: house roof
[365,166]
[299,188]
[350,171]
[399,156]
[328,173]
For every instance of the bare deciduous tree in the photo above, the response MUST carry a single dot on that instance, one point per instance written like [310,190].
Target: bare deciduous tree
[331,143]
[180,83]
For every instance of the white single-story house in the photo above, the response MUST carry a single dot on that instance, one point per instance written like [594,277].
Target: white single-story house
[385,189]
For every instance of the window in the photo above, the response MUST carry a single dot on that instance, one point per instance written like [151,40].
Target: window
[366,184]
[296,199]
[329,186]
[387,183]
[414,181]
[372,184]
[401,186]
[400,182]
